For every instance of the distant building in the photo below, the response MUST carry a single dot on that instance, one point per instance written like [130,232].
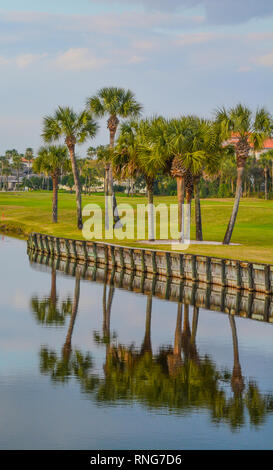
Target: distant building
[268,145]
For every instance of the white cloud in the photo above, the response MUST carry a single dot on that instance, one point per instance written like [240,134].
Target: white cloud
[72,59]
[78,59]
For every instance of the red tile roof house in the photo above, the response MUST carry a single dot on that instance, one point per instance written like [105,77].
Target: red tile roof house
[268,145]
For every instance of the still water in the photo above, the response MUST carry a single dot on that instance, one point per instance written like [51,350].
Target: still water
[88,365]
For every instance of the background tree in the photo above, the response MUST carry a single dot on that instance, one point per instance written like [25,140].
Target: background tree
[75,128]
[266,163]
[29,156]
[52,161]
[138,153]
[249,128]
[17,165]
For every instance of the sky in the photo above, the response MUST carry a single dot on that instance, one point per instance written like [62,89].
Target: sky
[177,56]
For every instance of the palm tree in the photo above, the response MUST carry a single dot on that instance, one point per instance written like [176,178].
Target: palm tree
[248,128]
[113,102]
[269,156]
[3,163]
[75,128]
[17,165]
[266,163]
[52,161]
[193,147]
[7,171]
[140,152]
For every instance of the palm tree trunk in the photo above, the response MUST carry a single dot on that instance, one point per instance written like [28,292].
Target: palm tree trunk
[53,292]
[178,331]
[174,360]
[55,199]
[228,235]
[151,223]
[237,381]
[147,344]
[186,334]
[265,184]
[67,344]
[107,311]
[187,216]
[106,194]
[71,148]
[111,182]
[198,217]
[193,348]
[180,198]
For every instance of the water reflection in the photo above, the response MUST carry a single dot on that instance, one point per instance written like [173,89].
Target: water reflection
[173,379]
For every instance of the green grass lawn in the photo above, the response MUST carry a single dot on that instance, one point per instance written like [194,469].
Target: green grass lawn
[22,213]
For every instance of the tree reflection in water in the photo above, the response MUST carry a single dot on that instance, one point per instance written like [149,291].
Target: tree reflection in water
[175,378]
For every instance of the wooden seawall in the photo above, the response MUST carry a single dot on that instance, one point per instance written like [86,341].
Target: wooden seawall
[205,269]
[242,303]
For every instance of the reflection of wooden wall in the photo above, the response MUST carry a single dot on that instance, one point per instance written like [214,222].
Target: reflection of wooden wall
[254,305]
[209,270]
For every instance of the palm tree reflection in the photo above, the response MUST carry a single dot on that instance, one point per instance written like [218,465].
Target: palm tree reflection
[46,310]
[175,378]
[68,362]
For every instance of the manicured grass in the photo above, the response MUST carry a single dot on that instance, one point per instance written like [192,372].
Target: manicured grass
[22,213]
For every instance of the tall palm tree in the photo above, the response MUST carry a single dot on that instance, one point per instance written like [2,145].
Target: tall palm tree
[115,103]
[52,161]
[75,128]
[249,128]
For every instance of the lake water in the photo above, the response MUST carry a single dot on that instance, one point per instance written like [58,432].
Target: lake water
[87,365]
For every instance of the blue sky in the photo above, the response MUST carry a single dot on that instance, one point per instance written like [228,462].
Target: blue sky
[180,56]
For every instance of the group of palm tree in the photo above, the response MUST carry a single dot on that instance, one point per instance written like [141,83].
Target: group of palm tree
[12,162]
[185,148]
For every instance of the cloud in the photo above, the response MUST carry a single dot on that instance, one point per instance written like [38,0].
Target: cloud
[22,60]
[107,23]
[216,11]
[78,59]
[265,60]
